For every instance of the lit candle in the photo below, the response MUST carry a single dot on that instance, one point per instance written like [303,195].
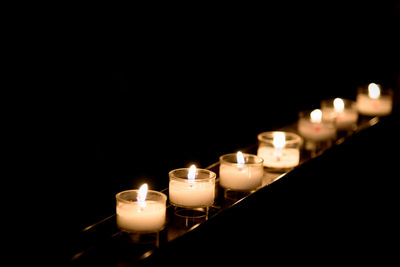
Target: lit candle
[279,142]
[311,126]
[141,211]
[241,172]
[342,112]
[280,150]
[374,101]
[192,188]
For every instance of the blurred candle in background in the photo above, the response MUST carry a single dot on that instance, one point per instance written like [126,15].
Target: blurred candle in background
[312,128]
[373,100]
[342,112]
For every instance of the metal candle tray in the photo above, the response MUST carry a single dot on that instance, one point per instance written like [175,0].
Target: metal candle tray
[103,243]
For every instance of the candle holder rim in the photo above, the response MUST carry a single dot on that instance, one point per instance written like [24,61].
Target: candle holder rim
[149,192]
[363,89]
[295,138]
[304,115]
[259,161]
[212,175]
[330,101]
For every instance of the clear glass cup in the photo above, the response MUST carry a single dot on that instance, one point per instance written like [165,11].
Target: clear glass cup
[243,176]
[279,154]
[196,193]
[134,216]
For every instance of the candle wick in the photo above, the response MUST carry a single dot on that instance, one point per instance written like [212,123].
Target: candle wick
[317,128]
[339,116]
[278,153]
[375,103]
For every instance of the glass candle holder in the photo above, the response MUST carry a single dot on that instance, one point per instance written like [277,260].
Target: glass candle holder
[280,150]
[141,216]
[241,171]
[342,112]
[192,192]
[312,128]
[373,100]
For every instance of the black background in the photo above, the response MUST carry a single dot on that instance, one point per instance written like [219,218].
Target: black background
[133,99]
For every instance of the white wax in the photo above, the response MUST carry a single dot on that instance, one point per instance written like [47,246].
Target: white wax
[191,194]
[344,120]
[240,178]
[381,106]
[315,131]
[131,217]
[288,158]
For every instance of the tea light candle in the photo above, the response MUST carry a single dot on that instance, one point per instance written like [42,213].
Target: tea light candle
[342,112]
[374,101]
[311,126]
[241,172]
[280,150]
[192,187]
[141,211]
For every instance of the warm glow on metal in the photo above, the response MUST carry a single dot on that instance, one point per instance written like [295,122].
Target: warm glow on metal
[338,104]
[192,173]
[279,140]
[141,197]
[374,91]
[316,116]
[240,159]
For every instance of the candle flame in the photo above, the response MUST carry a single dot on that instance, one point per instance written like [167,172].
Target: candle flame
[141,197]
[316,116]
[279,140]
[192,173]
[338,104]
[240,159]
[373,91]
